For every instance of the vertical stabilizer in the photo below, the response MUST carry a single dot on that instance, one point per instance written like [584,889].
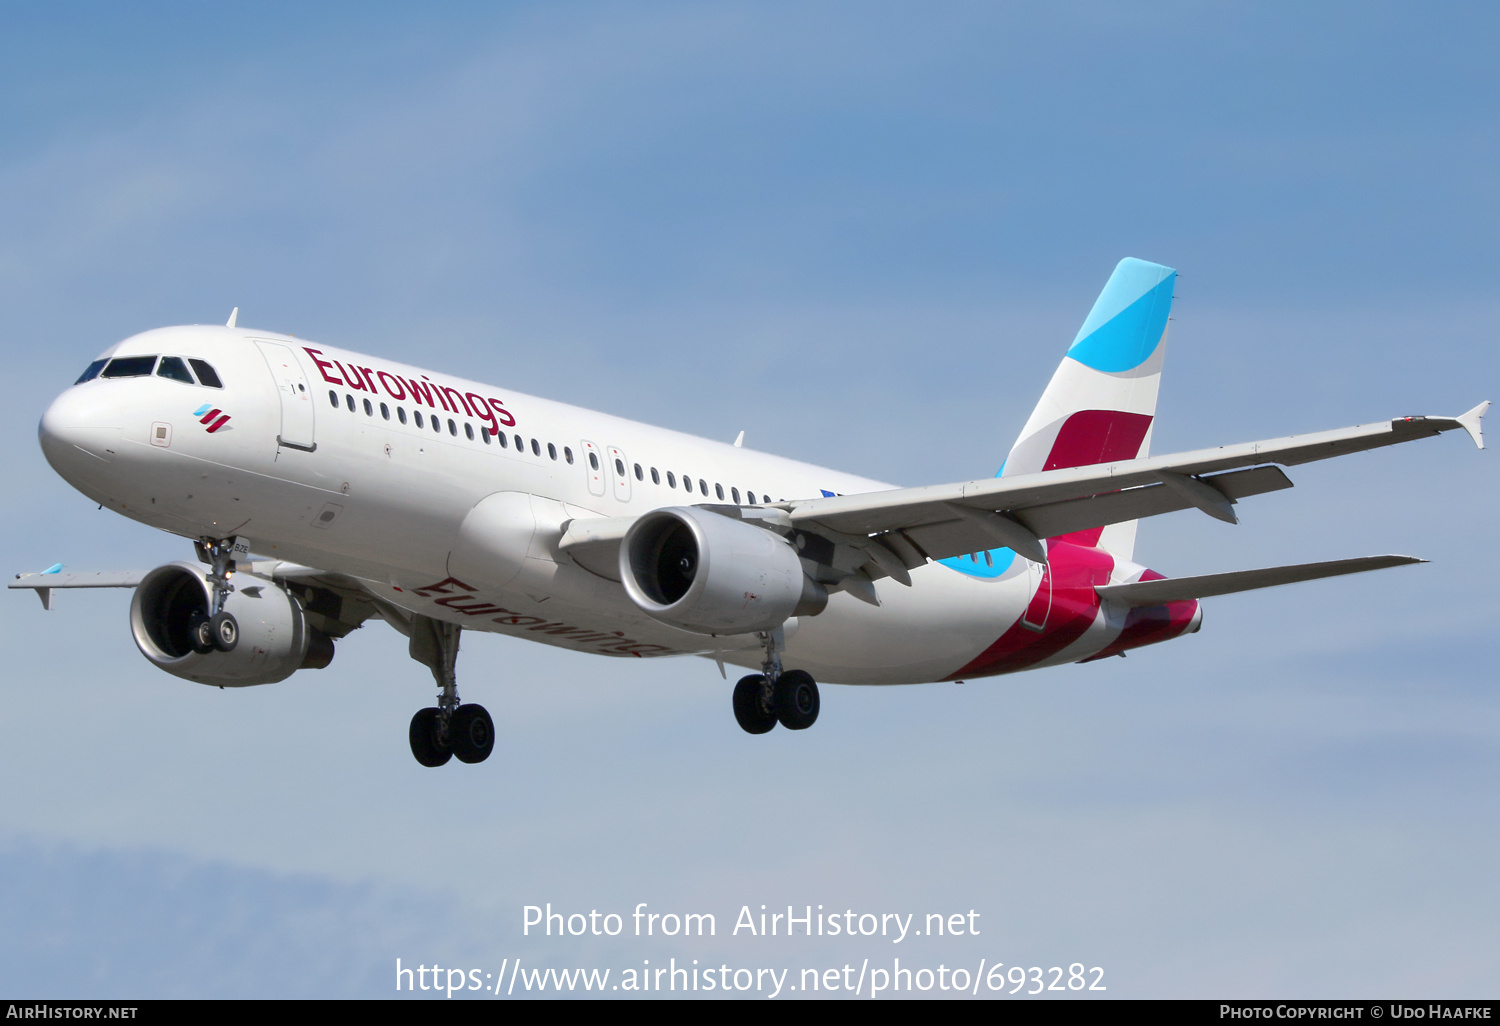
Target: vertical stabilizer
[1100,403]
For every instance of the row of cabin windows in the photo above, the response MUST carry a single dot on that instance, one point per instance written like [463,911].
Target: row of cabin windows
[536,447]
[171,367]
[687,481]
[437,426]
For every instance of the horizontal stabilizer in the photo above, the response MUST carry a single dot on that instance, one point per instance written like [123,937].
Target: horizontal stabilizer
[1176,589]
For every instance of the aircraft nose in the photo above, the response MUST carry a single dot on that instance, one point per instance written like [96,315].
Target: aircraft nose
[81,425]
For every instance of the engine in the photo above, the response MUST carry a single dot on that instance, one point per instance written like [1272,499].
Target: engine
[275,639]
[712,574]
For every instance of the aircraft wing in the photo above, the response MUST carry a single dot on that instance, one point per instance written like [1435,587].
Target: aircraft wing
[43,583]
[334,603]
[939,521]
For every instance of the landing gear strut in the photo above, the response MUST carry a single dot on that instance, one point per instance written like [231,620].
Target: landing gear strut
[450,728]
[788,697]
[218,629]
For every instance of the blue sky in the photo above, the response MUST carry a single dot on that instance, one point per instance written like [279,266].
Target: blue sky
[864,233]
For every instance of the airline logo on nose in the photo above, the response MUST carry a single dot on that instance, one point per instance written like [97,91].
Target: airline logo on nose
[211,416]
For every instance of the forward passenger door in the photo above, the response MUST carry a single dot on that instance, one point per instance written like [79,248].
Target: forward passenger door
[296,399]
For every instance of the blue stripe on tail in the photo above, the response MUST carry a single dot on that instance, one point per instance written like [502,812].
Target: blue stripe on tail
[1126,324]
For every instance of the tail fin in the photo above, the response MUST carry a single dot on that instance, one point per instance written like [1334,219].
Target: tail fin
[1100,403]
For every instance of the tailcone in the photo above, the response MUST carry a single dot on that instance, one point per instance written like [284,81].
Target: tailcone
[1151,625]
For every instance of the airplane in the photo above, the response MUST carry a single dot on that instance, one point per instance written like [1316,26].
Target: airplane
[323,488]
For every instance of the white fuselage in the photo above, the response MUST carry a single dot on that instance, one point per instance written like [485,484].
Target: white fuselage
[369,494]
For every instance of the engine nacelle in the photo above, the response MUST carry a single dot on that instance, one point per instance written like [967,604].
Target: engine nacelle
[275,638]
[711,574]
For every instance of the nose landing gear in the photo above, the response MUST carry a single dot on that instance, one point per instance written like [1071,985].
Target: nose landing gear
[788,697]
[439,733]
[217,629]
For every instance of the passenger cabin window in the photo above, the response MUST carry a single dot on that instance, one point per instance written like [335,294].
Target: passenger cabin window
[719,491]
[369,408]
[401,414]
[173,367]
[385,412]
[655,477]
[333,398]
[206,374]
[501,439]
[349,402]
[639,474]
[92,372]
[469,430]
[452,428]
[437,425]
[536,447]
[736,493]
[552,450]
[568,455]
[520,444]
[593,461]
[671,480]
[703,486]
[130,367]
[417,416]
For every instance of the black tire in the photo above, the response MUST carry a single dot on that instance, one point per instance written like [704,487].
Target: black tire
[200,633]
[425,745]
[797,700]
[751,714]
[225,630]
[472,732]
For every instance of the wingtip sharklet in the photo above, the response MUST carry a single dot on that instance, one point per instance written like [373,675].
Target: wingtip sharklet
[1470,422]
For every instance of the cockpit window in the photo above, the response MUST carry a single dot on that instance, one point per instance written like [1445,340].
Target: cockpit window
[173,367]
[92,372]
[206,374]
[130,367]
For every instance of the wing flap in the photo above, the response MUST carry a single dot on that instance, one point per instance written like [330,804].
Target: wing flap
[957,537]
[1177,589]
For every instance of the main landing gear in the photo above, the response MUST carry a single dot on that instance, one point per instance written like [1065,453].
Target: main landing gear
[439,733]
[788,697]
[215,630]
